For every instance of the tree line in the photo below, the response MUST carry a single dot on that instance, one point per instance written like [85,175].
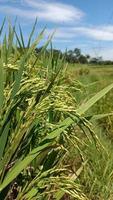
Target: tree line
[76,56]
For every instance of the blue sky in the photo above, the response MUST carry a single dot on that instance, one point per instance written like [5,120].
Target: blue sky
[85,24]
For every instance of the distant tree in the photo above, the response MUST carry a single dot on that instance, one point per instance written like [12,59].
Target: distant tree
[83,59]
[100,60]
[73,56]
[77,53]
[70,56]
[70,53]
[96,60]
[57,53]
[108,62]
[38,50]
[88,58]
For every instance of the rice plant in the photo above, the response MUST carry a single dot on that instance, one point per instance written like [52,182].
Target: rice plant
[40,122]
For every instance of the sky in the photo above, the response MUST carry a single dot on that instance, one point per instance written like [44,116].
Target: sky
[84,24]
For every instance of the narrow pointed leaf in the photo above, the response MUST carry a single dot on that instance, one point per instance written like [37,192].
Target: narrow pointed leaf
[1,85]
[3,140]
[84,107]
[23,164]
[31,35]
[1,29]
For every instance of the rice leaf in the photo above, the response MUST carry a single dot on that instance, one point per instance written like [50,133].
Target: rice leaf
[1,85]
[84,107]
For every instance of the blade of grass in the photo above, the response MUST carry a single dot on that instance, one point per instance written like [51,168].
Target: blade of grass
[1,85]
[10,39]
[3,140]
[23,164]
[22,38]
[31,34]
[84,107]
[99,116]
[2,26]
[23,62]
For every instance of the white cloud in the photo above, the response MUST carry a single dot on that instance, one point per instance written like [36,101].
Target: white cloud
[44,10]
[61,33]
[62,41]
[98,42]
[101,33]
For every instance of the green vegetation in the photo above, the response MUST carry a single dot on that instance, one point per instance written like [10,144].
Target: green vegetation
[76,56]
[53,140]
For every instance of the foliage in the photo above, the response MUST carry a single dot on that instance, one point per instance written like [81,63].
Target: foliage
[97,179]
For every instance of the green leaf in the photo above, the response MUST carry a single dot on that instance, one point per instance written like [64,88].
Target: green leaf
[32,193]
[10,39]
[99,116]
[23,61]
[23,164]
[84,107]
[22,38]
[1,29]
[1,85]
[31,34]
[3,139]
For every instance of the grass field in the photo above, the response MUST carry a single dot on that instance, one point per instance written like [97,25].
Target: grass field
[94,78]
[91,73]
